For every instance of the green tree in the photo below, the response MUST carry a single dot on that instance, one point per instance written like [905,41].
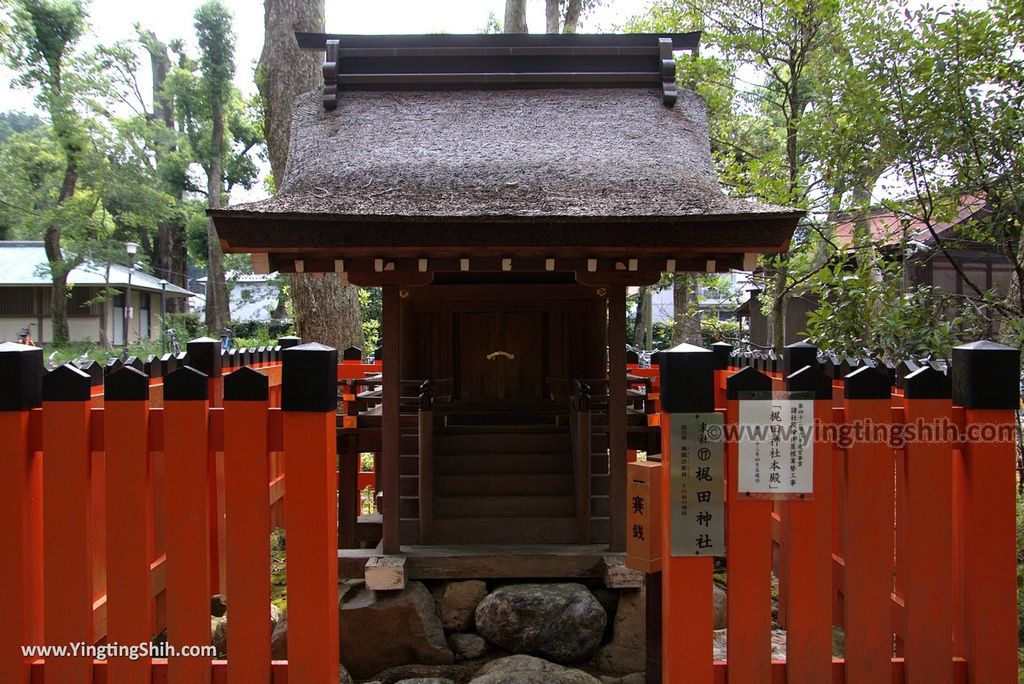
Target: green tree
[217,66]
[41,45]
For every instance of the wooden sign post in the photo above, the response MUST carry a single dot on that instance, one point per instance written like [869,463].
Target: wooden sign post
[692,511]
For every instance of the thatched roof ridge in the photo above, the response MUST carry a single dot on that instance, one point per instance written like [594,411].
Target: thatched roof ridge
[521,154]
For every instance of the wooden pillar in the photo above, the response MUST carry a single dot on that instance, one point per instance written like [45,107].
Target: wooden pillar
[617,416]
[21,562]
[309,401]
[391,437]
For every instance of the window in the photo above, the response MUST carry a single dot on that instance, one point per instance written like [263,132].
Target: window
[79,304]
[17,301]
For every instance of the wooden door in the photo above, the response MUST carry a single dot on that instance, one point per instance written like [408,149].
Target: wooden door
[501,355]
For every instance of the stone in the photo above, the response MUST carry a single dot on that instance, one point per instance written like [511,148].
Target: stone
[561,622]
[379,630]
[467,646]
[218,605]
[219,629]
[457,602]
[385,573]
[720,599]
[345,678]
[426,680]
[279,639]
[721,644]
[626,652]
[635,678]
[524,669]
[617,576]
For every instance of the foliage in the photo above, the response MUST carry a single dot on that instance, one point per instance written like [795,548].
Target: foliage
[866,309]
[370,310]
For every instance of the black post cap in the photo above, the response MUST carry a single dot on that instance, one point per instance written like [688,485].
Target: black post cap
[687,379]
[94,370]
[136,363]
[747,380]
[867,383]
[232,358]
[847,365]
[21,368]
[810,379]
[927,383]
[204,356]
[797,355]
[632,357]
[246,384]
[168,362]
[112,365]
[309,378]
[352,354]
[289,341]
[67,383]
[378,354]
[186,384]
[127,383]
[655,357]
[986,375]
[157,367]
[722,352]
[182,358]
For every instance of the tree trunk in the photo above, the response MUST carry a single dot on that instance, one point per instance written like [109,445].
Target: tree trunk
[218,312]
[686,317]
[573,10]
[552,17]
[642,323]
[326,310]
[515,16]
[169,255]
[55,257]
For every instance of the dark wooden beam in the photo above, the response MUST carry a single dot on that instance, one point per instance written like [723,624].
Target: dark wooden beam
[617,416]
[495,43]
[391,437]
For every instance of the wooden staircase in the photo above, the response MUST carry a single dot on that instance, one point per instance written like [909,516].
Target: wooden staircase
[503,477]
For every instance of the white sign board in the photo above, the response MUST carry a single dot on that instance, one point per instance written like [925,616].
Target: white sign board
[697,463]
[776,448]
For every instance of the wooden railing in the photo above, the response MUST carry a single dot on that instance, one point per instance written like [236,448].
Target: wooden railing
[906,546]
[125,515]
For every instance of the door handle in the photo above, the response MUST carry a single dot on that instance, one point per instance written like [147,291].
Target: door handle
[496,354]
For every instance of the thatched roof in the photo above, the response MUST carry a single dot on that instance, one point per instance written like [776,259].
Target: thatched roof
[565,153]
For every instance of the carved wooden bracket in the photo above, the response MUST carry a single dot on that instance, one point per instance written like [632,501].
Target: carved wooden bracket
[330,69]
[669,93]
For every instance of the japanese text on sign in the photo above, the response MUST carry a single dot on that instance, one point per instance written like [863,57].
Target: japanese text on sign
[697,487]
[776,447]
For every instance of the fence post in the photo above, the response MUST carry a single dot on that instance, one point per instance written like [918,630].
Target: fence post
[927,541]
[806,556]
[129,523]
[749,560]
[687,386]
[21,367]
[204,354]
[309,402]
[986,384]
[67,542]
[186,458]
[246,465]
[869,474]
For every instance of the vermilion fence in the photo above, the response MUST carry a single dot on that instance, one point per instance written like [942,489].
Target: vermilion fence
[127,509]
[909,548]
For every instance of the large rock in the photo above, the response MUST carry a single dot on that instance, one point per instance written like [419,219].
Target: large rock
[384,629]
[720,599]
[219,628]
[627,650]
[279,639]
[426,680]
[721,644]
[467,646]
[457,602]
[561,622]
[524,669]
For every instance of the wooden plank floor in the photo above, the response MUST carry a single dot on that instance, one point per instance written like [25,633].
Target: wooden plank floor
[486,561]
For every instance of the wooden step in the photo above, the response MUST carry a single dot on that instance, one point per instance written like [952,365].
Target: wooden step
[463,507]
[503,464]
[561,530]
[504,485]
[513,443]
[505,429]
